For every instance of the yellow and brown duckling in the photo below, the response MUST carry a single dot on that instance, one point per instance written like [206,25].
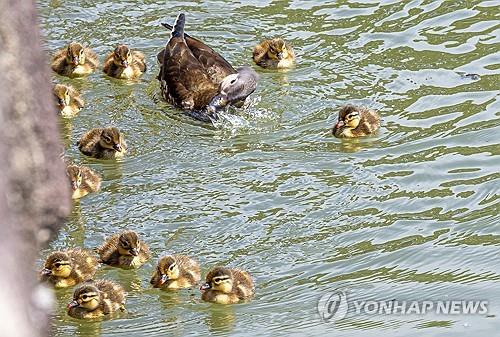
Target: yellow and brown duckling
[68,100]
[69,267]
[83,180]
[124,63]
[274,53]
[176,272]
[124,250]
[74,60]
[354,121]
[96,299]
[103,143]
[227,286]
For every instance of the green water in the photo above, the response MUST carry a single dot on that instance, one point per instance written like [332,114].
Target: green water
[411,214]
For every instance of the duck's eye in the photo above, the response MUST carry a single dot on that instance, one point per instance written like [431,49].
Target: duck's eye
[233,81]
[57,264]
[107,139]
[128,54]
[85,297]
[124,243]
[66,93]
[81,52]
[171,268]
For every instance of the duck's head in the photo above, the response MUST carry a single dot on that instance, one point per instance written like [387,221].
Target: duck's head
[219,279]
[234,89]
[166,270]
[129,244]
[62,95]
[75,54]
[111,139]
[58,264]
[86,296]
[277,49]
[122,56]
[349,118]
[74,174]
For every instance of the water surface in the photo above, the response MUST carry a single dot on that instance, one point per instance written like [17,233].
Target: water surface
[410,214]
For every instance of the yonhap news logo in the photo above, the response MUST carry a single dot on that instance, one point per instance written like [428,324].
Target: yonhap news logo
[335,306]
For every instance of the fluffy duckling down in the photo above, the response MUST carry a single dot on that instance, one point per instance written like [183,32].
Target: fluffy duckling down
[68,100]
[274,54]
[124,63]
[97,299]
[176,272]
[83,180]
[103,143]
[74,60]
[124,250]
[227,286]
[68,267]
[354,121]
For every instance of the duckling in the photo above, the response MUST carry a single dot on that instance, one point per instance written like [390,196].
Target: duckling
[103,143]
[227,286]
[196,79]
[74,60]
[124,63]
[83,180]
[69,267]
[175,272]
[275,53]
[68,100]
[124,250]
[356,121]
[96,299]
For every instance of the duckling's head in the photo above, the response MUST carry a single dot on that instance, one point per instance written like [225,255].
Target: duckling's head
[129,244]
[122,57]
[62,95]
[234,89]
[219,279]
[74,174]
[277,49]
[349,118]
[75,54]
[167,270]
[111,139]
[57,264]
[87,296]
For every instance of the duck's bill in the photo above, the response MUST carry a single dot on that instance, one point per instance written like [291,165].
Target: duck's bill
[163,279]
[205,286]
[219,102]
[72,304]
[117,147]
[46,272]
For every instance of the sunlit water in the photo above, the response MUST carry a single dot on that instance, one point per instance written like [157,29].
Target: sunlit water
[409,214]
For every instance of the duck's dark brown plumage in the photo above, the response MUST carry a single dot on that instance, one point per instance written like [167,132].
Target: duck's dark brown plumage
[215,65]
[197,79]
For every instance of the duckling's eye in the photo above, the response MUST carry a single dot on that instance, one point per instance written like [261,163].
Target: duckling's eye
[57,264]
[107,139]
[85,297]
[128,54]
[66,93]
[124,243]
[81,52]
[171,268]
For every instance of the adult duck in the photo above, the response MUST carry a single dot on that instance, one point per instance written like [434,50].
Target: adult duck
[197,79]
